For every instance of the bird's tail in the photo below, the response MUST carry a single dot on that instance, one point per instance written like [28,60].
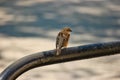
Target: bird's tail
[58,51]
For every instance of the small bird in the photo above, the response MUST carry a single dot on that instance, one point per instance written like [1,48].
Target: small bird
[62,39]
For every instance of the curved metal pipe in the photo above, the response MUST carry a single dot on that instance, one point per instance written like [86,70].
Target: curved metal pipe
[69,54]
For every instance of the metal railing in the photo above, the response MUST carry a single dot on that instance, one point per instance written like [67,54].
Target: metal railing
[26,63]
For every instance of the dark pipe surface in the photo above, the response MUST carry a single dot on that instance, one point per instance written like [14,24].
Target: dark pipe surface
[68,54]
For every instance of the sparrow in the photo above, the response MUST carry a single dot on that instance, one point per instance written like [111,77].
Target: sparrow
[62,39]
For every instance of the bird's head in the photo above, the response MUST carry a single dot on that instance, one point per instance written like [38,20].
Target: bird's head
[67,29]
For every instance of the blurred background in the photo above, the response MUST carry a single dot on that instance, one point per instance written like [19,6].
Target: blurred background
[30,26]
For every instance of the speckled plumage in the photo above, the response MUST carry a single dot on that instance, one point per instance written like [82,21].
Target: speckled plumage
[62,39]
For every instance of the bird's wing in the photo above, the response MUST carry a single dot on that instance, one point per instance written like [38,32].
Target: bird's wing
[59,40]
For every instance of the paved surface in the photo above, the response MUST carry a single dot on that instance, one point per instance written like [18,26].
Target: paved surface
[28,26]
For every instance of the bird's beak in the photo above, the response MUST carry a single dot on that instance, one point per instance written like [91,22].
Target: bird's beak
[70,30]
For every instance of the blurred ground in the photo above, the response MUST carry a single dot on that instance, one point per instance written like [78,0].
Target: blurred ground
[28,26]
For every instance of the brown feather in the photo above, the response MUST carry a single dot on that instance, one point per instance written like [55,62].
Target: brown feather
[62,39]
